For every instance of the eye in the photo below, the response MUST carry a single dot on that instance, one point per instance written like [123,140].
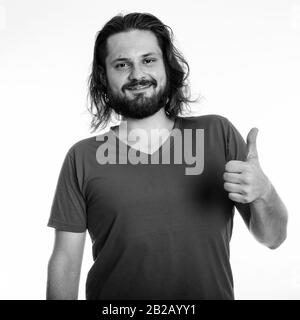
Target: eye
[148,60]
[121,65]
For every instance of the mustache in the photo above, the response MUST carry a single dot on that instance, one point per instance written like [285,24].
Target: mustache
[135,83]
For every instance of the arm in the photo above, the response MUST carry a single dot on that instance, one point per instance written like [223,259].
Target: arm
[247,184]
[65,265]
[268,221]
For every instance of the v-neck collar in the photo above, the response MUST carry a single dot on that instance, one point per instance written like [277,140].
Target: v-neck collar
[157,151]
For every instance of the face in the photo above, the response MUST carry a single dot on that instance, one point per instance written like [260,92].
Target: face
[135,74]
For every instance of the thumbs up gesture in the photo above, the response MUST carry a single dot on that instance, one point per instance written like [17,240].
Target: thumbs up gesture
[245,180]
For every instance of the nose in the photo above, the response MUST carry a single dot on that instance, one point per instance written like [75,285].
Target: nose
[136,73]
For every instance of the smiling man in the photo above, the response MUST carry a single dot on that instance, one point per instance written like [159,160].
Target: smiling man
[157,232]
[137,85]
[131,57]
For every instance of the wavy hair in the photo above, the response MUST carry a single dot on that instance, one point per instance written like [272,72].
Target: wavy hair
[177,69]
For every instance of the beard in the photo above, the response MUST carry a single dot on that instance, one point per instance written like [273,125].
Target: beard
[140,106]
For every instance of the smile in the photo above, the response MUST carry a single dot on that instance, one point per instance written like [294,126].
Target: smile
[139,88]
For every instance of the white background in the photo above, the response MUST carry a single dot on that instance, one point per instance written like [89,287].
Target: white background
[245,62]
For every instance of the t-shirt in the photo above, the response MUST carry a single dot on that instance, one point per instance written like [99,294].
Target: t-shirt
[158,230]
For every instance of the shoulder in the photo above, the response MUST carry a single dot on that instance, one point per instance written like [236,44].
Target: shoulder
[84,150]
[86,145]
[206,121]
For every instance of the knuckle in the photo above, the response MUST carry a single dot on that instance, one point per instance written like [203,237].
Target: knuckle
[228,165]
[246,199]
[245,190]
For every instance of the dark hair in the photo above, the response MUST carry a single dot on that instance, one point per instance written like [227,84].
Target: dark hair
[177,69]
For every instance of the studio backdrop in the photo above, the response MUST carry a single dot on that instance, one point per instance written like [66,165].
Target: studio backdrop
[244,58]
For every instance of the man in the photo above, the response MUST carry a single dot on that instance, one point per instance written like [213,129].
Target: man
[157,232]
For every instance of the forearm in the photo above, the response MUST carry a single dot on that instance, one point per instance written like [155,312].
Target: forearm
[63,280]
[268,222]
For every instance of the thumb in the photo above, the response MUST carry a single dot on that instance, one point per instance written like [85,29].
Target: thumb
[251,144]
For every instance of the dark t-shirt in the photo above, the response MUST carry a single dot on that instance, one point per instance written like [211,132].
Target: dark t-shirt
[157,232]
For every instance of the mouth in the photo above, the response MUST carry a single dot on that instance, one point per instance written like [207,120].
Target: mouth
[139,87]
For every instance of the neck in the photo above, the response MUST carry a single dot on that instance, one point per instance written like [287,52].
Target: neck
[159,120]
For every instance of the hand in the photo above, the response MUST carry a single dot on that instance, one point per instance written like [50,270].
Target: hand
[245,180]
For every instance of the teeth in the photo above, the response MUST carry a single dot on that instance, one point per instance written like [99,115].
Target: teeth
[139,87]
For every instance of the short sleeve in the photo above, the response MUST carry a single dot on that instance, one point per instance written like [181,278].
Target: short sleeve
[236,145]
[68,210]
[237,150]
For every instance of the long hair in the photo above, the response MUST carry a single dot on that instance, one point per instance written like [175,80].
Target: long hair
[177,69]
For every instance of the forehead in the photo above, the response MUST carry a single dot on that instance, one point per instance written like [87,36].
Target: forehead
[132,43]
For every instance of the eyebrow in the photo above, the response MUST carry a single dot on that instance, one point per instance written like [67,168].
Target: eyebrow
[126,59]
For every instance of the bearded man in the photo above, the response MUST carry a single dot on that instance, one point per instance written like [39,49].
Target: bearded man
[157,232]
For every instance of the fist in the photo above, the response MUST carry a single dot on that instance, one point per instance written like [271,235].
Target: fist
[245,181]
